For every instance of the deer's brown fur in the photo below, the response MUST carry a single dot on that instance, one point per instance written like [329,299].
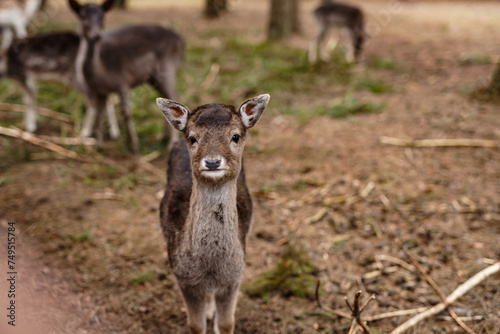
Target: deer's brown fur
[335,15]
[118,60]
[206,211]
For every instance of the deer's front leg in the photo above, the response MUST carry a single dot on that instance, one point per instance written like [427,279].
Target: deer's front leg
[127,113]
[195,304]
[90,116]
[30,102]
[225,302]
[7,36]
[114,129]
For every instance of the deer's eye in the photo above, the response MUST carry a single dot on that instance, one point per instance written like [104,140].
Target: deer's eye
[236,138]
[192,140]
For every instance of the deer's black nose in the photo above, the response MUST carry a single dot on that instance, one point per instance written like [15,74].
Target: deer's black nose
[213,164]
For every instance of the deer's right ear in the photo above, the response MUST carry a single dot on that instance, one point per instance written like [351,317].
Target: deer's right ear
[252,109]
[175,113]
[75,6]
[107,5]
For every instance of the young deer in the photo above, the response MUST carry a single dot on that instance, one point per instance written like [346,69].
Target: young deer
[206,211]
[47,57]
[332,15]
[118,60]
[14,15]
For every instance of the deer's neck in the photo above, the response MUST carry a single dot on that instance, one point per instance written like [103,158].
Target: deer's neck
[87,60]
[213,220]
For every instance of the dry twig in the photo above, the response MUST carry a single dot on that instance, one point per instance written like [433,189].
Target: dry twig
[434,286]
[70,140]
[461,142]
[356,312]
[152,169]
[459,292]
[325,308]
[30,138]
[42,111]
[395,314]
[401,263]
[209,80]
[367,318]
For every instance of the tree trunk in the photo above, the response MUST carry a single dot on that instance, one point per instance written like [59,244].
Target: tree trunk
[284,19]
[214,8]
[296,22]
[121,4]
[495,82]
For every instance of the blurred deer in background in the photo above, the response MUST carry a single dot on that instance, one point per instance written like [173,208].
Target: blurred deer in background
[46,57]
[206,211]
[118,60]
[13,15]
[332,15]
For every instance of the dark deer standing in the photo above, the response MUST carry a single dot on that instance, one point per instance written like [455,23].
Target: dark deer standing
[118,60]
[47,57]
[333,15]
[206,211]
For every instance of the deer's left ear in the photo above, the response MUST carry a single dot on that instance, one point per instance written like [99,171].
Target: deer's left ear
[75,6]
[107,5]
[252,109]
[175,113]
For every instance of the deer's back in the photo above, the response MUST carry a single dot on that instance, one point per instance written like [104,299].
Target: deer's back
[135,55]
[43,54]
[139,40]
[339,14]
[175,203]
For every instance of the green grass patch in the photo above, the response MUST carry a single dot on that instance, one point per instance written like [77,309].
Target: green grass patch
[375,86]
[85,235]
[248,68]
[340,108]
[378,63]
[104,176]
[245,69]
[143,277]
[4,180]
[294,275]
[475,59]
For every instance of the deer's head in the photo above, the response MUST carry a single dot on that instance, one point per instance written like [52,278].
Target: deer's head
[215,135]
[91,17]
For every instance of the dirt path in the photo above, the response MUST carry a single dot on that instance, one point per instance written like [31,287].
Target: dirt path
[91,255]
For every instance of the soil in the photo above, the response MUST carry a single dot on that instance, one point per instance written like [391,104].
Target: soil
[90,254]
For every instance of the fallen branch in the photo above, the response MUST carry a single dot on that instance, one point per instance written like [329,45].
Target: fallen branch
[401,263]
[110,162]
[145,163]
[378,272]
[367,318]
[459,292]
[152,169]
[395,314]
[434,286]
[209,80]
[41,111]
[70,140]
[327,309]
[474,318]
[356,312]
[30,138]
[440,142]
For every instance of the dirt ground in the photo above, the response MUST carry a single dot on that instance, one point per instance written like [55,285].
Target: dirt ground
[91,258]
